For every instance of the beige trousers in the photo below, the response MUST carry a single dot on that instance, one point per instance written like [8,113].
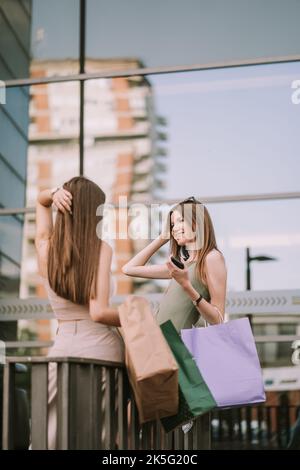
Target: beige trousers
[79,338]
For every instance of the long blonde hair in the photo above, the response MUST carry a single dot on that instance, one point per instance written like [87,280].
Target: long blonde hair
[204,225]
[74,247]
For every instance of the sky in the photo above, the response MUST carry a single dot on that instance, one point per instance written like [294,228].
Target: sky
[231,131]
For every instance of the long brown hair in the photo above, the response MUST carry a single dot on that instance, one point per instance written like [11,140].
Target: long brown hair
[74,247]
[205,226]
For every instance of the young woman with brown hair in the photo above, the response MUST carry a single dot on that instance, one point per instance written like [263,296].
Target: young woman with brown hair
[75,266]
[198,290]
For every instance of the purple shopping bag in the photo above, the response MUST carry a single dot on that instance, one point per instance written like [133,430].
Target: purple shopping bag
[227,359]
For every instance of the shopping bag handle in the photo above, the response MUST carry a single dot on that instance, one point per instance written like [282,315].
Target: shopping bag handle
[206,324]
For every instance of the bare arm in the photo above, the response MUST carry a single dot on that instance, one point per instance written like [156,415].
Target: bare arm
[136,266]
[44,222]
[100,311]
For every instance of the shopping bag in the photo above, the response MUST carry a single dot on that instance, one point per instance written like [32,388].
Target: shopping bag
[152,369]
[195,397]
[227,359]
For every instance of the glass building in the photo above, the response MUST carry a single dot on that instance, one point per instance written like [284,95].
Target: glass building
[156,101]
[15,34]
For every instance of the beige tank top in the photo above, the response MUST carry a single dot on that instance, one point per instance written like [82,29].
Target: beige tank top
[64,309]
[177,306]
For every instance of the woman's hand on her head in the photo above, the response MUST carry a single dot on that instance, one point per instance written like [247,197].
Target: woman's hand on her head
[180,275]
[163,238]
[165,235]
[62,200]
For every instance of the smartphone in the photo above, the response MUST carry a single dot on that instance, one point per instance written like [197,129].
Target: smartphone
[177,263]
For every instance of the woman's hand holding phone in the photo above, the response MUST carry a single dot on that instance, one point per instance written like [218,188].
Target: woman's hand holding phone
[181,275]
[177,262]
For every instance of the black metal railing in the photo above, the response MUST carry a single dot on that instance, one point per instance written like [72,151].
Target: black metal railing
[253,427]
[95,409]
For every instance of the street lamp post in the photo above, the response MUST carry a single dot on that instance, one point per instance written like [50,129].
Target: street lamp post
[249,259]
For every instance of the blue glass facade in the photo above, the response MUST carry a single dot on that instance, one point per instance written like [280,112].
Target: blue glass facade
[15,27]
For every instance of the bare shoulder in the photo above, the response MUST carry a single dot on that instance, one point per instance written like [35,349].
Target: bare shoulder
[105,246]
[106,252]
[215,259]
[214,255]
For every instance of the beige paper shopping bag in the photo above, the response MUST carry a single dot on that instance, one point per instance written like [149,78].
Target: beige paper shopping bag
[152,369]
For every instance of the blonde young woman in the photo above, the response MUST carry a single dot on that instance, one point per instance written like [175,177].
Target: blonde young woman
[75,266]
[197,292]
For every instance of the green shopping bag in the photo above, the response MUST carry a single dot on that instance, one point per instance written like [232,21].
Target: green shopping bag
[195,397]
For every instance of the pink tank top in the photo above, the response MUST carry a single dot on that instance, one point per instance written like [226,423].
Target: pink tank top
[64,309]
